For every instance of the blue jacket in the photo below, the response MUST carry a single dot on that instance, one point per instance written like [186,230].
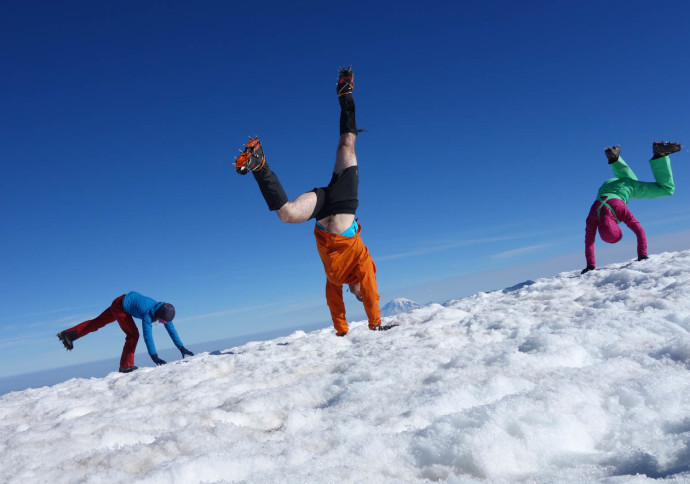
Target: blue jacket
[144,308]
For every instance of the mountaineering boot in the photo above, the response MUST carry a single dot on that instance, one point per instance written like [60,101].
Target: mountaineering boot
[612,153]
[664,148]
[128,369]
[346,81]
[347,102]
[67,337]
[252,158]
[348,124]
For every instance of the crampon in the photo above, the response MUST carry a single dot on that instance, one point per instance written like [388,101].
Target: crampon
[346,81]
[252,158]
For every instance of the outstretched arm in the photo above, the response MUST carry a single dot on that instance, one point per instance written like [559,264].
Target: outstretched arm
[590,237]
[369,290]
[626,216]
[173,334]
[176,339]
[334,297]
[148,339]
[148,335]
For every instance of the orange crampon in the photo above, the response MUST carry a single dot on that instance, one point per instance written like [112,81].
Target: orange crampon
[252,158]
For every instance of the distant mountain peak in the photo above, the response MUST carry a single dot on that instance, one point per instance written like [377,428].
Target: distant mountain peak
[397,306]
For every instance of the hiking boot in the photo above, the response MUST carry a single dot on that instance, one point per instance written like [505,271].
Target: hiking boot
[612,153]
[346,81]
[128,369]
[67,337]
[665,148]
[252,158]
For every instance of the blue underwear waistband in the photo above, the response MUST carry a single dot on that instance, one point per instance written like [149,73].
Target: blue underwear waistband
[350,232]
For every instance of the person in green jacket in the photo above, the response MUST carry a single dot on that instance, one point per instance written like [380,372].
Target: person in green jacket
[610,207]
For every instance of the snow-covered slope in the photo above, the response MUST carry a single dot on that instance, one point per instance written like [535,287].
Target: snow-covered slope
[398,306]
[568,379]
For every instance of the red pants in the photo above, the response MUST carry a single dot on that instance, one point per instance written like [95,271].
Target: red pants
[114,313]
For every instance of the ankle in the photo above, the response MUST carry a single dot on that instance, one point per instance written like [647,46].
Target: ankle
[346,101]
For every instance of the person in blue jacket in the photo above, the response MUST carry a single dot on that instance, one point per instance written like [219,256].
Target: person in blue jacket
[122,310]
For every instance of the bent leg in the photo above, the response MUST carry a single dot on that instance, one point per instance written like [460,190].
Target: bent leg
[662,187]
[661,168]
[299,210]
[271,188]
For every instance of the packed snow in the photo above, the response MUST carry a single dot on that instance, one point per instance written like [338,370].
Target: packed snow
[565,379]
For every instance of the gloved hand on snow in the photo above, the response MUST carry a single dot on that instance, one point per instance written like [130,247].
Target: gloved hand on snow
[185,351]
[587,269]
[157,360]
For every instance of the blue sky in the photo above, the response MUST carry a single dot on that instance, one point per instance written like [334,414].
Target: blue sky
[484,150]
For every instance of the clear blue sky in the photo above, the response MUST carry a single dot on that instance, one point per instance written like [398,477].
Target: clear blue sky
[486,128]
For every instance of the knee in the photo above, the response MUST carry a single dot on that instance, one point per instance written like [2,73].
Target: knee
[283,215]
[286,214]
[667,189]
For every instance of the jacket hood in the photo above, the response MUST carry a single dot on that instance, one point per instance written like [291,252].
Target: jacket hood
[609,231]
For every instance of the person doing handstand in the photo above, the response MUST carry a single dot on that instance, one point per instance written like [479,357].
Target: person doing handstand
[610,208]
[345,258]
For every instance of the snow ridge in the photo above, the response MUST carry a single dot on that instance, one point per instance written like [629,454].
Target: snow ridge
[566,379]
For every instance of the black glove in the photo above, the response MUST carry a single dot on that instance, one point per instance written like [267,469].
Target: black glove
[642,257]
[185,351]
[587,269]
[157,360]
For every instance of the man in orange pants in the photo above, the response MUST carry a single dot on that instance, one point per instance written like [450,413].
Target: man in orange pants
[345,258]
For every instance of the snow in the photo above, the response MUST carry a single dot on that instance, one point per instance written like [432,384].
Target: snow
[565,379]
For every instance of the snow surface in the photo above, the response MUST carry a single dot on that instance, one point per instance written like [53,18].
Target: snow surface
[567,379]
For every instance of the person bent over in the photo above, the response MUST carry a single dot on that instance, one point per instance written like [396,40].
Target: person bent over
[122,310]
[610,208]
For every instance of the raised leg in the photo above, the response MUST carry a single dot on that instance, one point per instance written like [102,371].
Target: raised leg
[82,329]
[345,156]
[308,204]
